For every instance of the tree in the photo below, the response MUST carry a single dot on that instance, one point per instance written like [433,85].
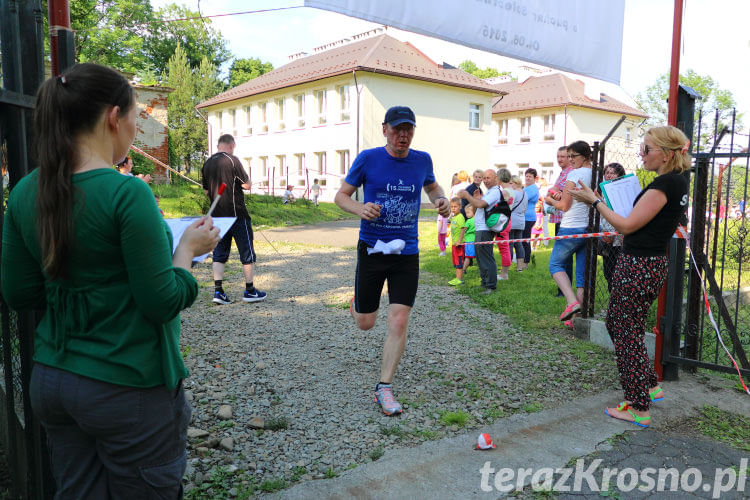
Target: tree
[471,68]
[187,129]
[243,70]
[195,34]
[111,32]
[654,102]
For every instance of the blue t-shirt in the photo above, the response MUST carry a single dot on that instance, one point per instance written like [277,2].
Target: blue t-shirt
[396,185]
[532,193]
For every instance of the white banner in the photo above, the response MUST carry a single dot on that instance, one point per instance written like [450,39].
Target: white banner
[580,36]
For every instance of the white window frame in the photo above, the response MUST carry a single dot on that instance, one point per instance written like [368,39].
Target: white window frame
[248,120]
[321,106]
[263,112]
[280,122]
[300,157]
[299,99]
[233,116]
[344,92]
[549,127]
[220,120]
[281,160]
[321,160]
[628,134]
[263,160]
[343,157]
[502,131]
[525,124]
[475,116]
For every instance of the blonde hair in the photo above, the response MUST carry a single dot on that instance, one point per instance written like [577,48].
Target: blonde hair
[516,180]
[670,138]
[463,176]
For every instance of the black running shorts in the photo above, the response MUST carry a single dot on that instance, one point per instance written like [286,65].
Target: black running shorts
[401,271]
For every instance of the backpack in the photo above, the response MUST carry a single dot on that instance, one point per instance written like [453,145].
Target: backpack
[497,216]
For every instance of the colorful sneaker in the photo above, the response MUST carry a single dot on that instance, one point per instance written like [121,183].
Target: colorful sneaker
[455,282]
[221,298]
[255,296]
[568,323]
[384,397]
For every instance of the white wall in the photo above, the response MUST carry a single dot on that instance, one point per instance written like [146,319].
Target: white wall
[442,121]
[572,123]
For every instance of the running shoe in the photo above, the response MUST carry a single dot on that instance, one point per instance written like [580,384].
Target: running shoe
[221,298]
[384,397]
[255,296]
[455,282]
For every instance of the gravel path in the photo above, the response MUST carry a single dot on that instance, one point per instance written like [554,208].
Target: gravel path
[282,390]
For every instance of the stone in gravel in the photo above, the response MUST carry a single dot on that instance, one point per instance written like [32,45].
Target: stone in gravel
[233,492]
[260,365]
[202,450]
[251,390]
[196,433]
[227,444]
[209,443]
[257,423]
[252,465]
[225,412]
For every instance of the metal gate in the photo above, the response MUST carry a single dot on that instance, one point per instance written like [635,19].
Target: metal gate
[22,436]
[718,243]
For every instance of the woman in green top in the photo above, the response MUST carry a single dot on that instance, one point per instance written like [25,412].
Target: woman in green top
[89,246]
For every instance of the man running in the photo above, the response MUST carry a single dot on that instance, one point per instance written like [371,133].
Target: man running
[392,178]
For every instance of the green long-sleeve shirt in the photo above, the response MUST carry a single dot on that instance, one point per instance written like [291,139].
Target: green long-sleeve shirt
[116,316]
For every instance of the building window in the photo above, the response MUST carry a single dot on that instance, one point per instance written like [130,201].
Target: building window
[281,163]
[280,123]
[263,161]
[248,122]
[263,108]
[320,101]
[525,129]
[546,171]
[549,127]
[502,132]
[344,103]
[321,157]
[343,161]
[475,116]
[233,117]
[220,120]
[300,101]
[522,169]
[629,134]
[498,166]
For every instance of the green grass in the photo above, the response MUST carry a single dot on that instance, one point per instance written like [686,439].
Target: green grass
[726,427]
[182,199]
[528,299]
[459,418]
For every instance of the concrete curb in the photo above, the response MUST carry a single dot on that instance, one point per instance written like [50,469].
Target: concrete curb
[450,468]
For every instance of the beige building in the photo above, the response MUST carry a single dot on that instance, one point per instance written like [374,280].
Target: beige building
[309,118]
[542,113]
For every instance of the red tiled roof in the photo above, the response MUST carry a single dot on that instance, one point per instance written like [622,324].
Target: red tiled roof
[380,54]
[555,90]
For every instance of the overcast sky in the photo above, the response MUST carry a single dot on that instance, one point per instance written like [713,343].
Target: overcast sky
[716,40]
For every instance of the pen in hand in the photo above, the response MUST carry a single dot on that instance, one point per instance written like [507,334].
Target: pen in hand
[216,200]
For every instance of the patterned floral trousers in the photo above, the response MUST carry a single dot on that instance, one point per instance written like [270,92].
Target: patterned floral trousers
[635,285]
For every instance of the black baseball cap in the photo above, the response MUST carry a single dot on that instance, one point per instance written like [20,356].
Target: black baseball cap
[398,115]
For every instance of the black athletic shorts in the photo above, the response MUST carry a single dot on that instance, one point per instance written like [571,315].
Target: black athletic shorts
[401,271]
[242,232]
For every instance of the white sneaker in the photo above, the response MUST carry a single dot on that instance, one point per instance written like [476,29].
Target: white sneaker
[442,254]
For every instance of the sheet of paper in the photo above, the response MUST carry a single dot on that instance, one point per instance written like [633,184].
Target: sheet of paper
[621,193]
[178,226]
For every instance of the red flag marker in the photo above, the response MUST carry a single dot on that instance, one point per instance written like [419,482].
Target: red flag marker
[216,200]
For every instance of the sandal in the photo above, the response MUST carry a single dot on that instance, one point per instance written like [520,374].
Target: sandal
[570,311]
[653,394]
[636,419]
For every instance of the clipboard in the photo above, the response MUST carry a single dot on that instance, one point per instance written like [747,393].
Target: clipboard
[620,193]
[178,226]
